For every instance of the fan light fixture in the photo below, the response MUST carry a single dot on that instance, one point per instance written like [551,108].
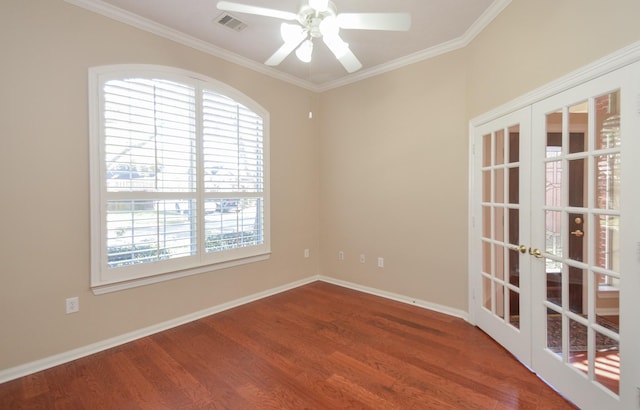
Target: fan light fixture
[304,51]
[292,34]
[319,19]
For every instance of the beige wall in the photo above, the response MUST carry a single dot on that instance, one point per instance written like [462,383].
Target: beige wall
[382,167]
[47,47]
[393,163]
[394,148]
[533,43]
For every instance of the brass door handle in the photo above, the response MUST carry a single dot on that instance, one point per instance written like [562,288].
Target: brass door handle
[535,252]
[521,248]
[577,233]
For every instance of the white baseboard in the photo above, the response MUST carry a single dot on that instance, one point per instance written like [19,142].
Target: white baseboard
[397,297]
[68,356]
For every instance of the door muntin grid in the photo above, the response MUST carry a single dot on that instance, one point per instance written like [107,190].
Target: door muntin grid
[582,246]
[501,211]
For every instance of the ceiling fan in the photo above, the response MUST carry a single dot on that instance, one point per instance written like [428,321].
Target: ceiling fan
[319,19]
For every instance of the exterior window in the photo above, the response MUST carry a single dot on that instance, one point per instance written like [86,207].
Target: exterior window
[179,176]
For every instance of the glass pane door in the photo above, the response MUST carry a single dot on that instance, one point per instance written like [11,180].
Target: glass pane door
[583,331]
[555,238]
[577,277]
[502,290]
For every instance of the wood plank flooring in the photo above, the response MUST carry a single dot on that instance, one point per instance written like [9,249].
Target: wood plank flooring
[319,346]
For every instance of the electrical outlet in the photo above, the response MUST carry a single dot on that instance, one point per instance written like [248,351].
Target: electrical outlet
[73,305]
[306,253]
[362,259]
[340,255]
[380,262]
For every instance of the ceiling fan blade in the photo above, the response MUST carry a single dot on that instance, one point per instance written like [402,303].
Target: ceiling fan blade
[260,11]
[285,50]
[350,62]
[343,53]
[375,21]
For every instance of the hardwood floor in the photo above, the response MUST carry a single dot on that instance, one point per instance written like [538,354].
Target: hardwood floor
[319,346]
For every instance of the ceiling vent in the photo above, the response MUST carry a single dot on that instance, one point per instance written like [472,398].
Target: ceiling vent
[230,22]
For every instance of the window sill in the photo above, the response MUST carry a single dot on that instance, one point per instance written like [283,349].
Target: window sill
[134,283]
[608,292]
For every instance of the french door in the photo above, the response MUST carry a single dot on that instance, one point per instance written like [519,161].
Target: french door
[501,286]
[556,241]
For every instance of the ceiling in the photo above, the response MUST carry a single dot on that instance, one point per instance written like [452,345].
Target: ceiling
[437,26]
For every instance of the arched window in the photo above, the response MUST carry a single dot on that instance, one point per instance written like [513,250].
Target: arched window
[179,176]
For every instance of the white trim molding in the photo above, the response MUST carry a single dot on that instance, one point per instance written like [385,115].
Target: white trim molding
[621,58]
[74,354]
[398,297]
[126,17]
[65,357]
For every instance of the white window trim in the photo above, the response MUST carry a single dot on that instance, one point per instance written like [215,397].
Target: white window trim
[105,282]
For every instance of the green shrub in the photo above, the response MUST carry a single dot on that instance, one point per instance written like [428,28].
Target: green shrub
[224,241]
[130,255]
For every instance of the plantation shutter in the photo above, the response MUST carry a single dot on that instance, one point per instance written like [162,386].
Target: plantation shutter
[233,158]
[150,163]
[148,124]
[177,176]
[232,146]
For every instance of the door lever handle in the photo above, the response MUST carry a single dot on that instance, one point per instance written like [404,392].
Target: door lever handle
[577,233]
[521,248]
[535,252]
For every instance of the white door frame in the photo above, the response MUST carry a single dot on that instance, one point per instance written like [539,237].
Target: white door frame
[630,293]
[554,367]
[515,338]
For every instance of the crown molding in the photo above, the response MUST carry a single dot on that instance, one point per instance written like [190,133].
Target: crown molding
[394,64]
[476,28]
[484,20]
[134,20]
[611,62]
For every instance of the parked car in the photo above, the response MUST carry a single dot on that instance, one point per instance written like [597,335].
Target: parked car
[228,205]
[123,171]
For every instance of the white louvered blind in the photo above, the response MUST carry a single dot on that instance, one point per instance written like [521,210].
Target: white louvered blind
[150,136]
[232,146]
[233,160]
[149,149]
[182,178]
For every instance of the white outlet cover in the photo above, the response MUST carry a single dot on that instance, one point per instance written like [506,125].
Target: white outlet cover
[72,305]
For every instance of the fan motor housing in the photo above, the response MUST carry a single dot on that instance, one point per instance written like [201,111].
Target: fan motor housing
[311,19]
